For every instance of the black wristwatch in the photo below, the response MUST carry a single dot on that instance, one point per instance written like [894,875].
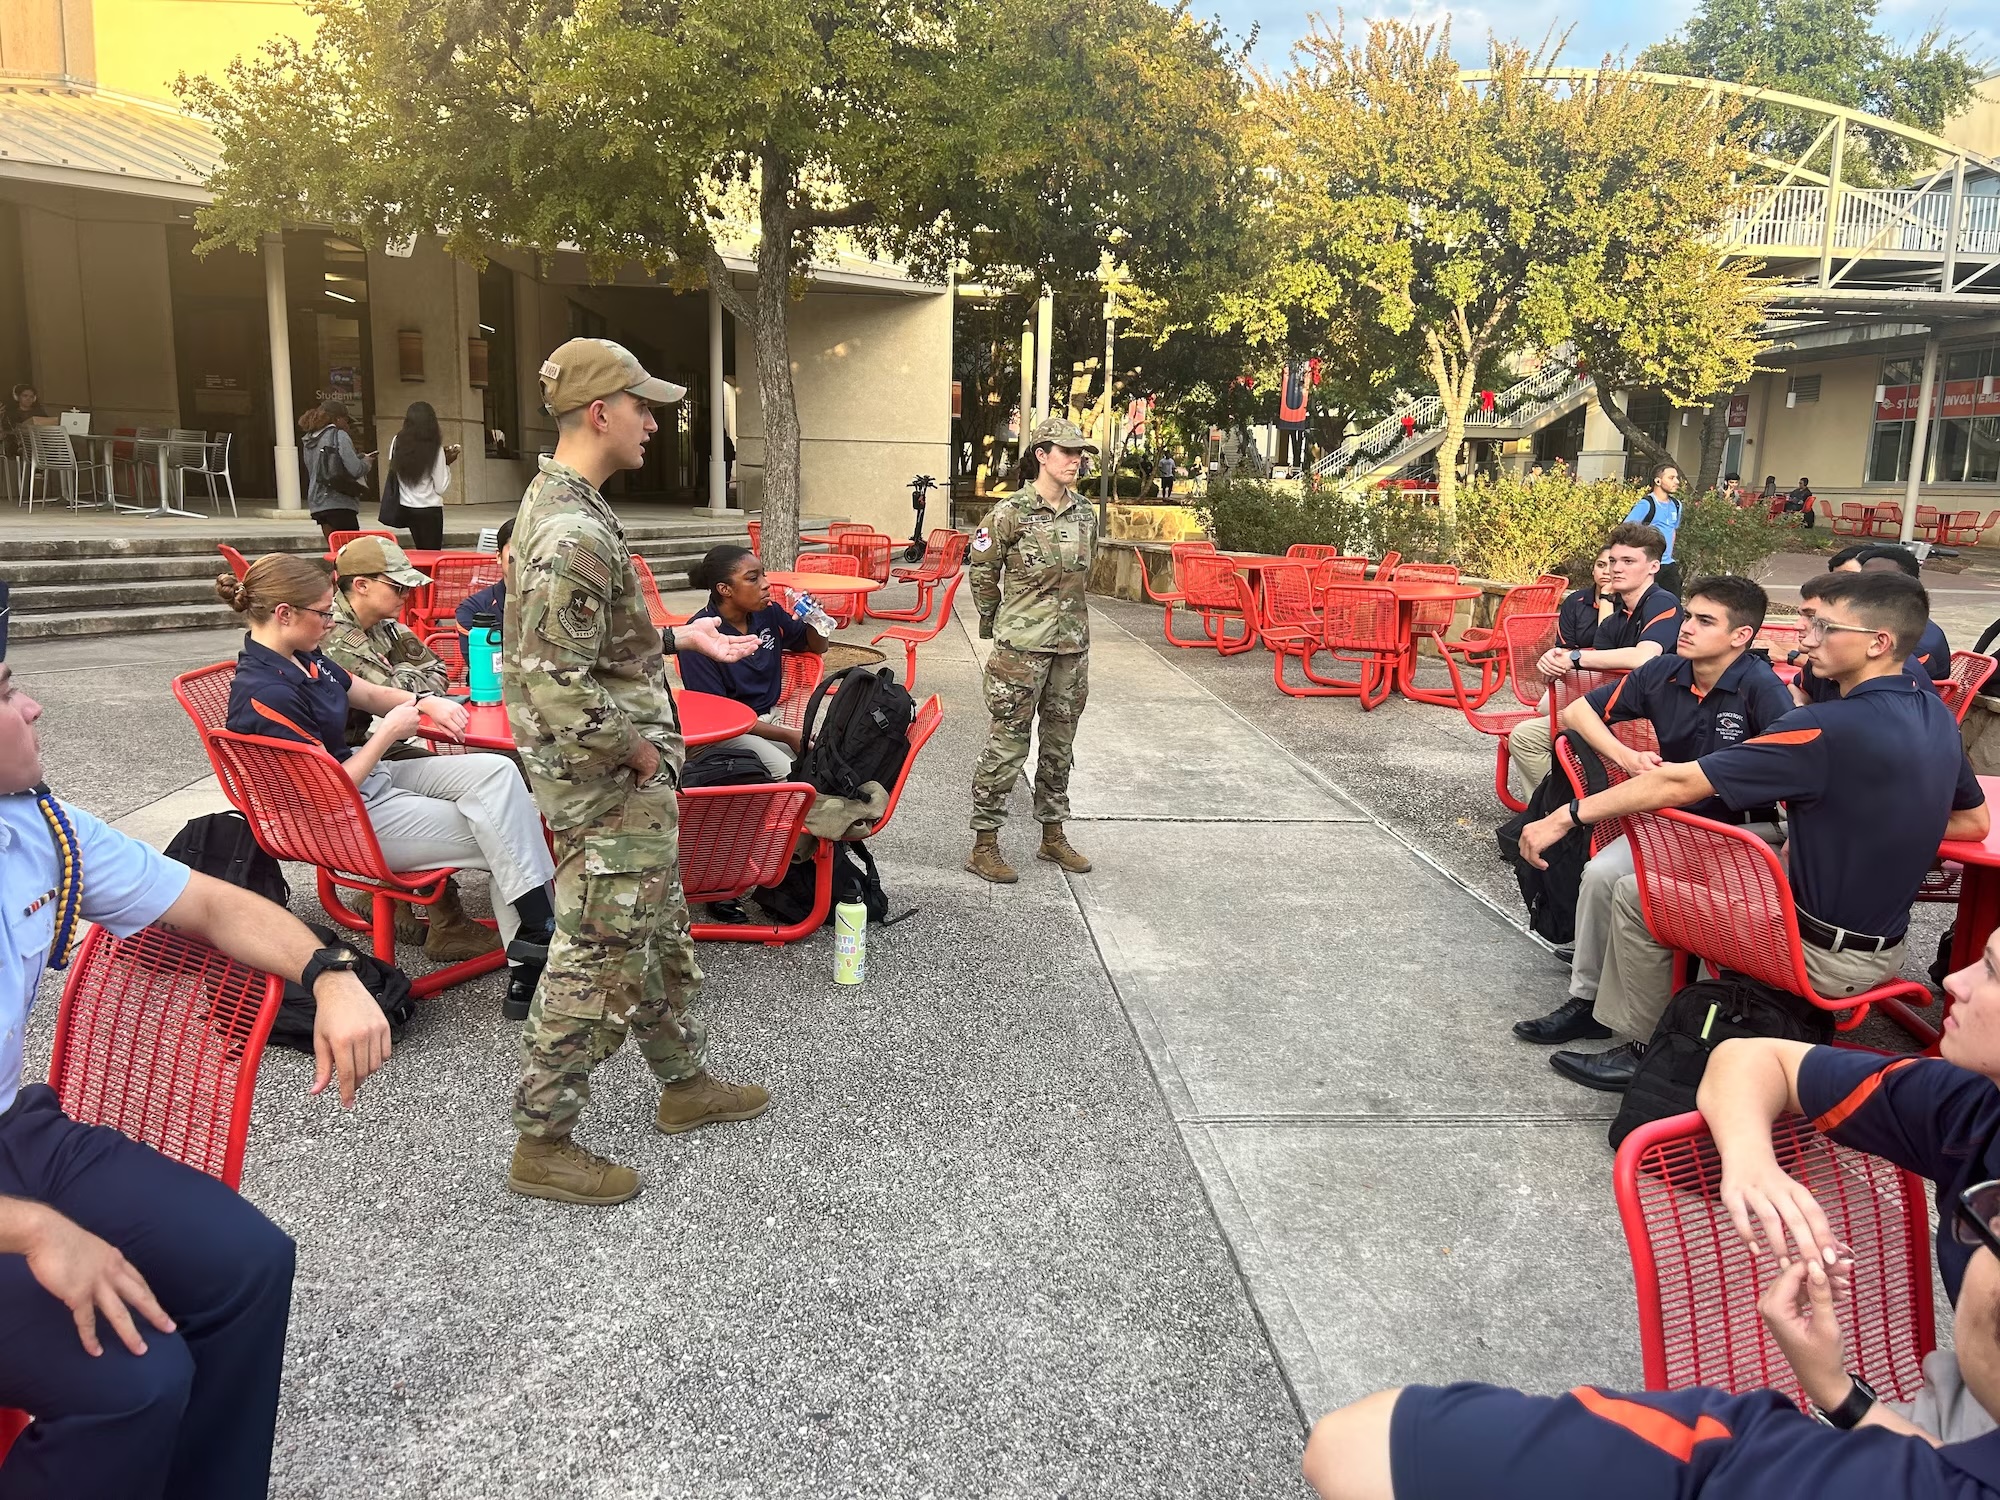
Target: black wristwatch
[1860,1400]
[335,956]
[1576,658]
[1576,812]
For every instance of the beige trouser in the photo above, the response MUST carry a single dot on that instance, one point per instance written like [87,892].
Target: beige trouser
[1639,974]
[1529,755]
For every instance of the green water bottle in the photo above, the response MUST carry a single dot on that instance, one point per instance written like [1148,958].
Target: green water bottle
[850,943]
[482,658]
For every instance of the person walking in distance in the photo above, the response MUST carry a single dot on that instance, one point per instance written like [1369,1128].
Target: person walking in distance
[1029,563]
[584,679]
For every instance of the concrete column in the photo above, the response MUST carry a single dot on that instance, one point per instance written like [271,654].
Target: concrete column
[279,319]
[1045,340]
[1603,452]
[1027,418]
[1920,442]
[718,413]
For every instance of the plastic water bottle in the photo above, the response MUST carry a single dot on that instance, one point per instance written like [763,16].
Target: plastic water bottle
[482,658]
[850,943]
[806,610]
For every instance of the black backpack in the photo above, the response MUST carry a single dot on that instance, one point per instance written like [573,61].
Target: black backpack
[854,879]
[1550,895]
[856,735]
[221,844]
[1705,1013]
[390,986]
[717,766]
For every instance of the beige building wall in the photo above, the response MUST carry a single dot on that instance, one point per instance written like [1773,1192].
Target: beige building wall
[873,376]
[1978,129]
[1825,440]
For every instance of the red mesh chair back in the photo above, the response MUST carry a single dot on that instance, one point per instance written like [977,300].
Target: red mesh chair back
[1927,517]
[843,610]
[1184,550]
[1287,596]
[1575,683]
[456,577]
[1959,529]
[839,529]
[1637,733]
[340,539]
[925,724]
[1968,670]
[656,608]
[159,1037]
[448,646]
[1557,581]
[1888,521]
[1386,568]
[869,548]
[802,673]
[1852,520]
[944,550]
[756,529]
[1432,618]
[1779,635]
[1312,551]
[1698,1283]
[1528,639]
[204,694]
[1524,599]
[1340,570]
[238,563]
[736,838]
[1361,618]
[300,804]
[1208,582]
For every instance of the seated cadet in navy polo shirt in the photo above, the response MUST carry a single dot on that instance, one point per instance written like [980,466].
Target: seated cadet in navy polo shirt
[1581,609]
[143,1305]
[1641,623]
[491,600]
[1933,651]
[1872,781]
[739,597]
[1810,687]
[1709,694]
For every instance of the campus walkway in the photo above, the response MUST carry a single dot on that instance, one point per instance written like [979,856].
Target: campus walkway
[1101,1186]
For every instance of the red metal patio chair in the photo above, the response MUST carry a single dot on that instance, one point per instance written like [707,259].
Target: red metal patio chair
[1359,626]
[1340,570]
[1313,552]
[204,694]
[736,838]
[1719,895]
[1557,581]
[1528,638]
[1959,528]
[1637,733]
[1888,522]
[756,529]
[1209,587]
[944,555]
[923,724]
[238,563]
[302,808]
[448,646]
[1969,669]
[1992,520]
[869,548]
[1853,520]
[662,617]
[912,636]
[1486,646]
[1927,522]
[456,577]
[1285,614]
[842,609]
[1386,568]
[1178,594]
[1698,1283]
[158,1037]
[340,539]
[803,670]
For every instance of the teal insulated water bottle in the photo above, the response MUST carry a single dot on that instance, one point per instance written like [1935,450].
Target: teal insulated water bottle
[482,658]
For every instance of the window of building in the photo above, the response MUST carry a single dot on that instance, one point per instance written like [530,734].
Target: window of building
[1965,433]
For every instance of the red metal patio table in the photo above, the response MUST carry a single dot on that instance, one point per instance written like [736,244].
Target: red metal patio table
[706,719]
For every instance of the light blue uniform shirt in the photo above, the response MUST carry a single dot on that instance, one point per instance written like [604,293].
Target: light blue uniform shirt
[1665,519]
[126,886]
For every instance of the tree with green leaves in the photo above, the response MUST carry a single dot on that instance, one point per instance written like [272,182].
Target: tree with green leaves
[1026,138]
[1469,221]
[1831,50]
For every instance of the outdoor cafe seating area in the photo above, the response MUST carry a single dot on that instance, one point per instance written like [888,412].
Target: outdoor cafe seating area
[144,470]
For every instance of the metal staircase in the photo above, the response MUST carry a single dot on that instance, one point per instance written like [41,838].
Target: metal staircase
[1553,391]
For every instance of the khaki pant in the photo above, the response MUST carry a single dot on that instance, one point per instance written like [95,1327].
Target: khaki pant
[1639,973]
[1530,755]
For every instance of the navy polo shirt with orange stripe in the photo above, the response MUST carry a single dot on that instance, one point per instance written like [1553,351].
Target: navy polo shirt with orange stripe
[1824,689]
[302,698]
[1926,1115]
[1745,701]
[1576,619]
[1933,652]
[1870,779]
[1656,618]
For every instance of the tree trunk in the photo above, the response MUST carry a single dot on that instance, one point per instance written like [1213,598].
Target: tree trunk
[780,545]
[1714,443]
[1635,435]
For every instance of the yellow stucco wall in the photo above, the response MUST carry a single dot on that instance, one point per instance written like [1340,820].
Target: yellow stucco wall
[1978,129]
[143,45]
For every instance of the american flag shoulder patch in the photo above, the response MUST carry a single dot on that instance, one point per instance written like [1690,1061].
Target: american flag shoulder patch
[585,568]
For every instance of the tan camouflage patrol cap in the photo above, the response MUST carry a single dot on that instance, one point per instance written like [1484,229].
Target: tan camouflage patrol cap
[1060,431]
[367,556]
[587,370]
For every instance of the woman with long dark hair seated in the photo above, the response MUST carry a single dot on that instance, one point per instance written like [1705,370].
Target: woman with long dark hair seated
[740,599]
[421,460]
[464,811]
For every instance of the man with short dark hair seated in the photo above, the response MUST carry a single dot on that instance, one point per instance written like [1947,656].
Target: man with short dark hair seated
[491,600]
[1639,623]
[1933,651]
[1872,781]
[1710,694]
[1810,686]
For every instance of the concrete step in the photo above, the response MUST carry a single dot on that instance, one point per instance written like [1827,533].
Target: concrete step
[69,598]
[119,621]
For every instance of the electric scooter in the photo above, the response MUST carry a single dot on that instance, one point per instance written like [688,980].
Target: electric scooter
[920,489]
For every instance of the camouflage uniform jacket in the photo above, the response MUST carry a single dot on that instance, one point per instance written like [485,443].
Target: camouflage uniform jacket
[390,654]
[1043,554]
[581,672]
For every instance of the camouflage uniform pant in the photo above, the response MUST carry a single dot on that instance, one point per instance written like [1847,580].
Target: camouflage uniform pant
[622,960]
[1022,686]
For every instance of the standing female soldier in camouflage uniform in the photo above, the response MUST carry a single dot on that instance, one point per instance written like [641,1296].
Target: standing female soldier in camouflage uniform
[1030,563]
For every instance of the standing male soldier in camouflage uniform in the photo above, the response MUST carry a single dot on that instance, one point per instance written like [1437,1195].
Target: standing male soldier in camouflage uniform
[585,685]
[368,639]
[1030,563]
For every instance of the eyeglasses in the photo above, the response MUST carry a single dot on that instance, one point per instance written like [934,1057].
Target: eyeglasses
[306,609]
[1817,629]
[386,581]
[1973,1216]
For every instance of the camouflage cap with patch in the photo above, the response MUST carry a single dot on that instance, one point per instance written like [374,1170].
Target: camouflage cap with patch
[1060,431]
[369,556]
[587,370]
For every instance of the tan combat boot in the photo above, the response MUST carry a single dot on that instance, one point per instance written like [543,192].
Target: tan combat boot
[702,1100]
[454,936]
[564,1171]
[1057,851]
[986,862]
[408,928]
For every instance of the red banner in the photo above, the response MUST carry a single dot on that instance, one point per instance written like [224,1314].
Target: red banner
[1739,411]
[1956,398]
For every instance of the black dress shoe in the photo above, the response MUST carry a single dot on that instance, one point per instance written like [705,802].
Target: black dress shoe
[727,911]
[1567,955]
[1571,1021]
[1612,1070]
[522,981]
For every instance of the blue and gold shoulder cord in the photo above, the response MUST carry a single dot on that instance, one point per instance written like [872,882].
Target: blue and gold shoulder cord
[69,889]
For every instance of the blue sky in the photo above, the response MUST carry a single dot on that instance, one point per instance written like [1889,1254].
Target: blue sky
[1600,26]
